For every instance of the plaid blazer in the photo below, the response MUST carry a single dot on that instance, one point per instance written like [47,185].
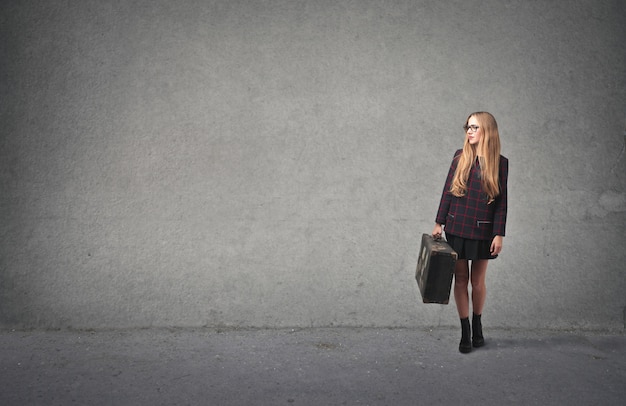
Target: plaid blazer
[470,216]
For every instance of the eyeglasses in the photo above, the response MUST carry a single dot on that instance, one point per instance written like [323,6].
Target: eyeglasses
[474,128]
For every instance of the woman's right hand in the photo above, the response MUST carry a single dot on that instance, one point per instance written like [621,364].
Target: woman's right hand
[437,232]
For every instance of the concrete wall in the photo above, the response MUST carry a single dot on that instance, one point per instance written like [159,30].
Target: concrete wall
[274,163]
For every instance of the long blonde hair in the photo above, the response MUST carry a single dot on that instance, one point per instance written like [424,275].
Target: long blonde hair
[488,153]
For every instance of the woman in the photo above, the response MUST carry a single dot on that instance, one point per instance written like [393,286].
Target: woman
[473,210]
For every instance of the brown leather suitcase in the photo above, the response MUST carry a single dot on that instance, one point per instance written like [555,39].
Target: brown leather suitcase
[435,270]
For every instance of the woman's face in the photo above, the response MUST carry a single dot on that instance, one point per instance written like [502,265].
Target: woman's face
[473,132]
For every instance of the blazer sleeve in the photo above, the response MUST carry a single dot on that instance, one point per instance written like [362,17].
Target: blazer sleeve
[499,222]
[446,196]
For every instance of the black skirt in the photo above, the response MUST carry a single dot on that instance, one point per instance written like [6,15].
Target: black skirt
[470,249]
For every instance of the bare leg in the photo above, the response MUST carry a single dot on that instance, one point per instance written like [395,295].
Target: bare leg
[461,297]
[479,288]
[479,293]
[461,280]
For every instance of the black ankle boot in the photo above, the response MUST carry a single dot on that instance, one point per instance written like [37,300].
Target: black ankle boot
[477,332]
[466,343]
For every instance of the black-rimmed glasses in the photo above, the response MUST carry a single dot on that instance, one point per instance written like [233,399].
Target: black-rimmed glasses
[474,128]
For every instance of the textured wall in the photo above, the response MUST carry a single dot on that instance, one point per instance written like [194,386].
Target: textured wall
[274,163]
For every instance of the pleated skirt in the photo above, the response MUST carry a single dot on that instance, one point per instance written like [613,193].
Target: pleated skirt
[470,249]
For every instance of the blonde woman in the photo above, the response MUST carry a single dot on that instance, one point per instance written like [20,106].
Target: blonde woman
[473,210]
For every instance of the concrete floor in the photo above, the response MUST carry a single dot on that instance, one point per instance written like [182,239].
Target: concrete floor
[338,366]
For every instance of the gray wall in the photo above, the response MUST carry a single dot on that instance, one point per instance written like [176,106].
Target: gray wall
[274,163]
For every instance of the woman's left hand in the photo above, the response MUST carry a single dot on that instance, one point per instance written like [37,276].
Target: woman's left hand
[496,245]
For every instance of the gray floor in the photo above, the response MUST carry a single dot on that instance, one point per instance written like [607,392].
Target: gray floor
[310,367]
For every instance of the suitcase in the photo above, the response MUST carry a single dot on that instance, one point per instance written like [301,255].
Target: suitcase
[435,270]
